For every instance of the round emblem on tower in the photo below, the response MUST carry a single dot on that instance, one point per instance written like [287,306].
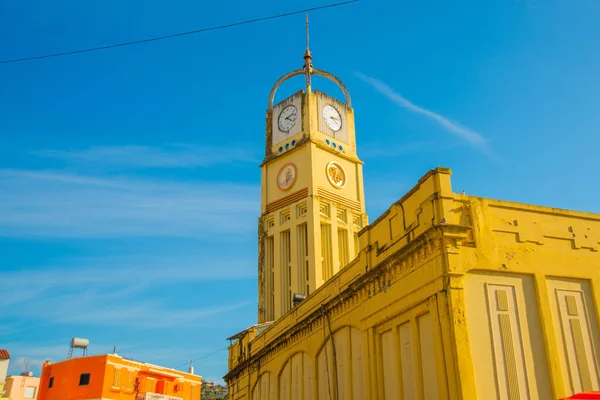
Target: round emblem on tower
[336,174]
[286,176]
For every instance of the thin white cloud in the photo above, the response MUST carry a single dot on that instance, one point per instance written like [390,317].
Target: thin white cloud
[464,133]
[102,309]
[377,151]
[7,329]
[57,204]
[40,351]
[101,305]
[124,270]
[167,156]
[142,314]
[82,292]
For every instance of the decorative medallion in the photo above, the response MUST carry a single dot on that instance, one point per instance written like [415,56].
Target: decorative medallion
[286,176]
[336,174]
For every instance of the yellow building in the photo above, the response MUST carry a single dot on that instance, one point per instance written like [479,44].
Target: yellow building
[449,297]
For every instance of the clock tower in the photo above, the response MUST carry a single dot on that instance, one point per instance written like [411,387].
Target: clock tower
[312,193]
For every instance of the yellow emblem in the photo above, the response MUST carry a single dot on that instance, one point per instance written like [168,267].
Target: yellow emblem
[336,174]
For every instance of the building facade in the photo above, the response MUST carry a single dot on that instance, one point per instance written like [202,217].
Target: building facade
[110,376]
[4,360]
[450,296]
[22,387]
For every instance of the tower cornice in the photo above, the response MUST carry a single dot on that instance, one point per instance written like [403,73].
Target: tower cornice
[318,143]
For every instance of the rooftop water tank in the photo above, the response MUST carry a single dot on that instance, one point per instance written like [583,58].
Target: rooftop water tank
[79,343]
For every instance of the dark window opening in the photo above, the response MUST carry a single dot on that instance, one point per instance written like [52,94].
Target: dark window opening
[84,379]
[51,383]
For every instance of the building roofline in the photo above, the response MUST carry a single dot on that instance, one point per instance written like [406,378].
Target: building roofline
[536,208]
[142,363]
[245,331]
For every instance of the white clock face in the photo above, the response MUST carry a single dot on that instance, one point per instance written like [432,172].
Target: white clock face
[332,118]
[287,118]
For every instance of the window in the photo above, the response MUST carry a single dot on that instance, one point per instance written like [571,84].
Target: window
[129,379]
[284,216]
[327,271]
[270,223]
[356,221]
[150,384]
[117,377]
[29,392]
[270,278]
[324,209]
[286,272]
[343,247]
[342,215]
[84,379]
[51,383]
[302,254]
[301,210]
[160,387]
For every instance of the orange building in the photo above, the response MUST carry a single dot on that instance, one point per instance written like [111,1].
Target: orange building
[110,376]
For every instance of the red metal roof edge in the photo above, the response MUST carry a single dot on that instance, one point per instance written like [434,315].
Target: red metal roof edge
[4,355]
[584,395]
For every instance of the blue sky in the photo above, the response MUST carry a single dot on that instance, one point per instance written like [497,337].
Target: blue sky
[129,180]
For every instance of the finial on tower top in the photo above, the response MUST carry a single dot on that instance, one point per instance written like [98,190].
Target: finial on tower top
[308,71]
[307,39]
[307,60]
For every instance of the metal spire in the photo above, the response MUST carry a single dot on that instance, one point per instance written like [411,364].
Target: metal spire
[307,60]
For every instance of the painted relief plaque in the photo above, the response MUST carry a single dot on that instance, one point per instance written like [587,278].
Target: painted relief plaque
[336,174]
[286,176]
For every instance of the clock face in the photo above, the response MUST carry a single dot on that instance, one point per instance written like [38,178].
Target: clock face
[286,176]
[332,118]
[287,118]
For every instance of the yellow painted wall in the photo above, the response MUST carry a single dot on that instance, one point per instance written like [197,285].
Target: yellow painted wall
[353,188]
[301,159]
[451,297]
